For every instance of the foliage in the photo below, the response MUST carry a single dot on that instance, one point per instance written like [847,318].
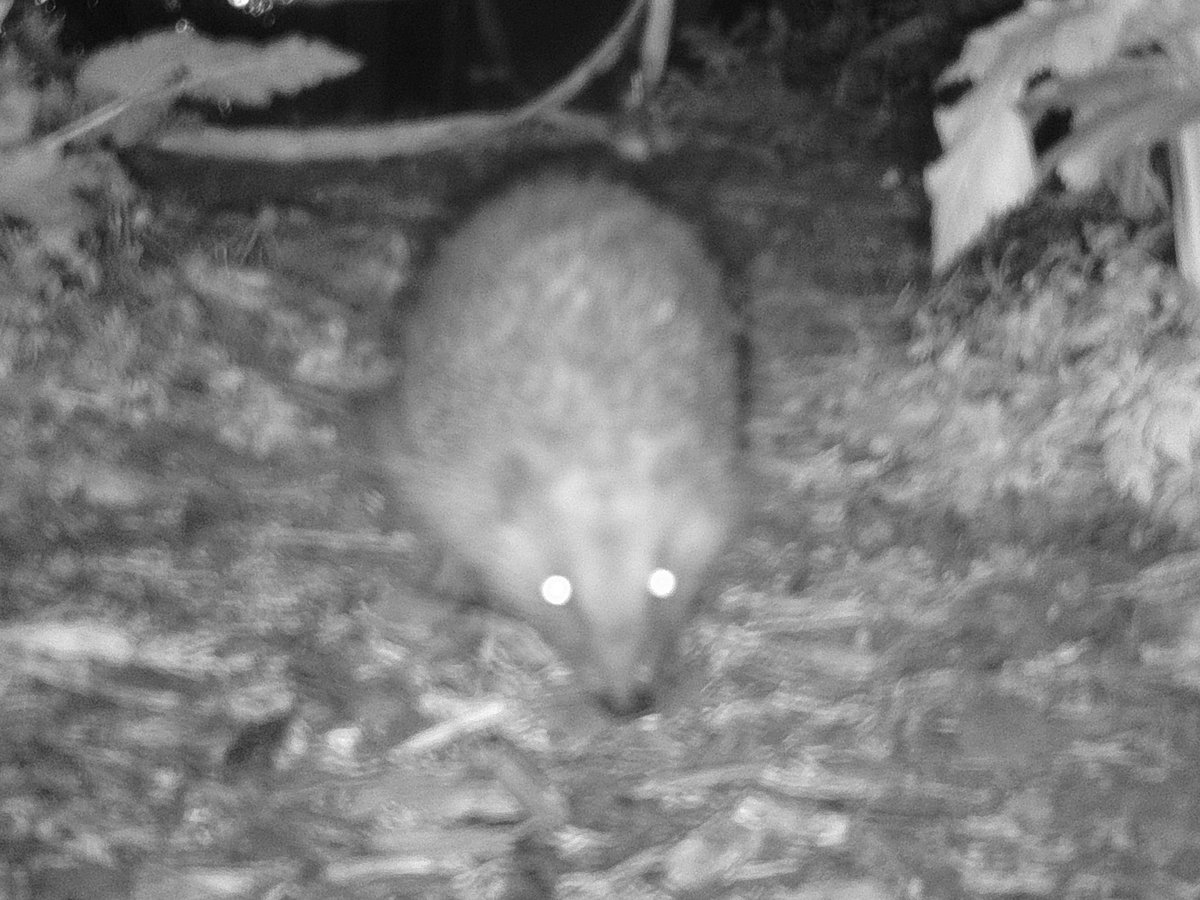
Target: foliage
[1123,70]
[55,177]
[1094,358]
[184,63]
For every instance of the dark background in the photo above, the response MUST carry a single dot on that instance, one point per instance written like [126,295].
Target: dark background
[420,56]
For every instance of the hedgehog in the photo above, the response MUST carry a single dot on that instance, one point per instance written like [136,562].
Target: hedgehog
[566,419]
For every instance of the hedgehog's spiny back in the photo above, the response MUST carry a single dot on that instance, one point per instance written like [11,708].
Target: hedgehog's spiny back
[567,406]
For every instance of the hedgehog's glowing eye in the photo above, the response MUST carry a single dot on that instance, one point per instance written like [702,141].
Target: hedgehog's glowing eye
[556,590]
[662,583]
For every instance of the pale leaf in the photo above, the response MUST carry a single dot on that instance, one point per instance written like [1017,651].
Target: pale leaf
[35,187]
[989,165]
[1064,38]
[1101,135]
[18,111]
[990,172]
[230,71]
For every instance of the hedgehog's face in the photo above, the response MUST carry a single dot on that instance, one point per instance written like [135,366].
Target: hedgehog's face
[609,572]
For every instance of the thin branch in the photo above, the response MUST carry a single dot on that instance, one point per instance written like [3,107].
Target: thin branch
[294,145]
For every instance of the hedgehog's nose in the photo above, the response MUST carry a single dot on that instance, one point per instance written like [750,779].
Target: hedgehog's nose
[636,700]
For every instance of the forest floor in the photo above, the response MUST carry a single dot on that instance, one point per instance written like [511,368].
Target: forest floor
[919,674]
